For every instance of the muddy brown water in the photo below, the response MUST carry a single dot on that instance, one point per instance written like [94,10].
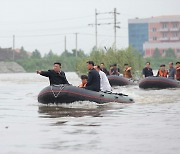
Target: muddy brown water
[150,125]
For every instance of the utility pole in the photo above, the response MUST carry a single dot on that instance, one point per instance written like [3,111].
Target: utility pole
[115,24]
[96,27]
[65,44]
[115,28]
[13,48]
[76,42]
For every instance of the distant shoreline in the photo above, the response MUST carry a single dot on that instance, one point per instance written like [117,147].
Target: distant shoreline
[11,67]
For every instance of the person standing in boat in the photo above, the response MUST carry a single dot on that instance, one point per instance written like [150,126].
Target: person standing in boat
[104,82]
[93,82]
[127,71]
[56,76]
[104,69]
[114,70]
[178,71]
[162,72]
[172,71]
[147,71]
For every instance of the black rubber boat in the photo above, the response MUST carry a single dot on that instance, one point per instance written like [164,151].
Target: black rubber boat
[68,94]
[115,80]
[158,83]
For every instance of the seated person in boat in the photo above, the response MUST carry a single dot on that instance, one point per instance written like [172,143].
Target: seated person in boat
[162,72]
[104,69]
[84,79]
[114,70]
[110,67]
[104,82]
[178,71]
[127,71]
[56,76]
[93,82]
[172,71]
[147,71]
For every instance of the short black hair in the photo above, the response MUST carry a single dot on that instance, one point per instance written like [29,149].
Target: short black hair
[148,63]
[171,63]
[114,64]
[98,67]
[178,62]
[84,77]
[163,65]
[90,62]
[125,64]
[58,63]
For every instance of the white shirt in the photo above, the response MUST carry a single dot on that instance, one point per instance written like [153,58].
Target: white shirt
[104,82]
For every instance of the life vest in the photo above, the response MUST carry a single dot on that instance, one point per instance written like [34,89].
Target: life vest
[163,73]
[82,85]
[127,74]
[178,73]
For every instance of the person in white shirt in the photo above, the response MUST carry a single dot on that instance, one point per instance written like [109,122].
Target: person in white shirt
[104,82]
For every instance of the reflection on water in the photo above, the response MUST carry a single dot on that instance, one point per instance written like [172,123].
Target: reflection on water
[56,112]
[77,109]
[150,125]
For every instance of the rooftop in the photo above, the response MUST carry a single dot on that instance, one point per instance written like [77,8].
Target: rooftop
[157,19]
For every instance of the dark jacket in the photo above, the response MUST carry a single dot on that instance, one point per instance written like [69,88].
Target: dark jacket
[147,72]
[54,77]
[93,80]
[172,73]
[105,71]
[114,71]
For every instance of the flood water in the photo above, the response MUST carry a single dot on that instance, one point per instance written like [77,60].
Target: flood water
[149,126]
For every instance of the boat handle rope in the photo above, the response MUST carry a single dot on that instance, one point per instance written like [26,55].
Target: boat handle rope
[61,87]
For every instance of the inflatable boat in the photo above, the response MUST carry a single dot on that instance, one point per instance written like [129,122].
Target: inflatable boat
[158,83]
[115,80]
[58,94]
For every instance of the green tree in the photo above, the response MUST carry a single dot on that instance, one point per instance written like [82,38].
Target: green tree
[157,54]
[80,53]
[22,54]
[36,54]
[50,54]
[111,56]
[170,53]
[67,54]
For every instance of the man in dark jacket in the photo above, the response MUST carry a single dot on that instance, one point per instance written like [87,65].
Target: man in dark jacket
[93,78]
[56,76]
[114,70]
[147,71]
[104,69]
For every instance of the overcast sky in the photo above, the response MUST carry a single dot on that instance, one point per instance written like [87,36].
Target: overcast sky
[42,24]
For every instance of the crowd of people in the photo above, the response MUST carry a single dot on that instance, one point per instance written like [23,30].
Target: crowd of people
[171,73]
[97,80]
[114,70]
[97,77]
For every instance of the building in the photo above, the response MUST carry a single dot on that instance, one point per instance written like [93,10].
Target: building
[148,34]
[8,54]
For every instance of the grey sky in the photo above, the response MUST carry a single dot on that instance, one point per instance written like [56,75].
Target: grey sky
[28,19]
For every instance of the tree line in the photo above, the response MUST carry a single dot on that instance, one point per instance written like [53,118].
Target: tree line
[32,61]
[157,59]
[36,61]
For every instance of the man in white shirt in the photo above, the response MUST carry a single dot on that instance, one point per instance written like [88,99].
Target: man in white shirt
[104,82]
